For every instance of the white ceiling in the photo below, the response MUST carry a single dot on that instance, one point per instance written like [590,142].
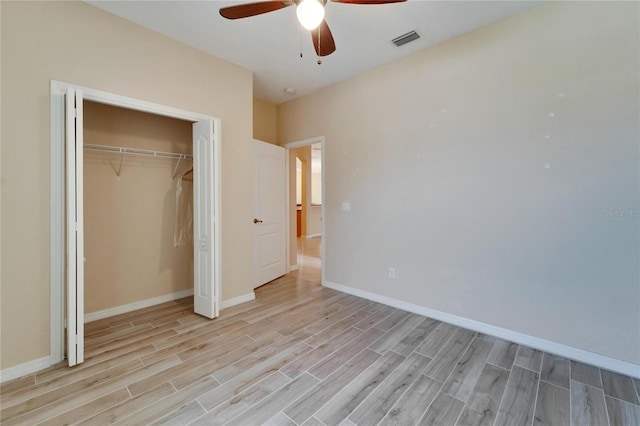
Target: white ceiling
[270,44]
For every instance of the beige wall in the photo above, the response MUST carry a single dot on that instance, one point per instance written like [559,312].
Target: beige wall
[316,188]
[77,43]
[130,222]
[264,121]
[314,221]
[489,170]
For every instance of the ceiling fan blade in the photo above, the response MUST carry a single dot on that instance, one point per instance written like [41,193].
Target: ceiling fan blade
[323,40]
[253,9]
[368,1]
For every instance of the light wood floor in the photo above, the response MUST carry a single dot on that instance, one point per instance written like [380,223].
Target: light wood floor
[304,354]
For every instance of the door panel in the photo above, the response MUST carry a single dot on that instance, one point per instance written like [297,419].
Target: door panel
[269,202]
[75,227]
[203,209]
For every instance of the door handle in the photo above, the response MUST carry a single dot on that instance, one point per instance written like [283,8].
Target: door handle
[257,221]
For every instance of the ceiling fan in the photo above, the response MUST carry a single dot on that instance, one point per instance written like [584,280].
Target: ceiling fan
[310,14]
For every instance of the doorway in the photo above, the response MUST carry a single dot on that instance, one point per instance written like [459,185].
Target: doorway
[67,236]
[306,208]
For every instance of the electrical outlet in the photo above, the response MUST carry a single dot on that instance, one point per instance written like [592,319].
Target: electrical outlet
[392,272]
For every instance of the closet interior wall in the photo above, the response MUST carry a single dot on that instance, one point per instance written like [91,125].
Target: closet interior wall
[130,220]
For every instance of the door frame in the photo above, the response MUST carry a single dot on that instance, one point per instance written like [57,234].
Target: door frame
[58,215]
[288,147]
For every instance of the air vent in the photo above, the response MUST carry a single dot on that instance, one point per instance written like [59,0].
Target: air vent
[405,38]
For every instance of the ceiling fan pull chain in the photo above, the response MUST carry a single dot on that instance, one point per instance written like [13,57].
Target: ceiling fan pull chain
[300,34]
[319,46]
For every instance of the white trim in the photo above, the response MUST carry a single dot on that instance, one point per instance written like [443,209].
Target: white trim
[602,361]
[123,309]
[312,236]
[57,202]
[305,142]
[133,103]
[293,268]
[24,369]
[238,300]
[57,247]
[287,222]
[323,216]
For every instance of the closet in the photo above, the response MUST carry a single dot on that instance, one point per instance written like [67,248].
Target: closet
[138,241]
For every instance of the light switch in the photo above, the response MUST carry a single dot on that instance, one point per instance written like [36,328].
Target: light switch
[346,206]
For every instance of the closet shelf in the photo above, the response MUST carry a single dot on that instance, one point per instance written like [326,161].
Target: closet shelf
[140,152]
[135,151]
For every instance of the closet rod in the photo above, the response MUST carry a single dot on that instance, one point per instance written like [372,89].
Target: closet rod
[135,151]
[141,152]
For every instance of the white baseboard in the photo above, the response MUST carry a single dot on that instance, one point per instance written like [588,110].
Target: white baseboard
[238,300]
[602,361]
[24,369]
[293,268]
[93,316]
[312,236]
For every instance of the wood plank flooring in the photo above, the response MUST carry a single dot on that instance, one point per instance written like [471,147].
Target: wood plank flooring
[304,354]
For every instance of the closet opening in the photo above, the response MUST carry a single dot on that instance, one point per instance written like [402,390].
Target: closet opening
[135,202]
[138,209]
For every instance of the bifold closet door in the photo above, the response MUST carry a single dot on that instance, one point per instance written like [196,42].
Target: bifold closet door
[203,224]
[75,227]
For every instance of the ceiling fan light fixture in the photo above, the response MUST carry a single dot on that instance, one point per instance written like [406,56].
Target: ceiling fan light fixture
[310,13]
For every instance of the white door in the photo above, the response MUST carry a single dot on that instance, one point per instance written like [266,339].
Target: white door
[204,220]
[269,209]
[75,227]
